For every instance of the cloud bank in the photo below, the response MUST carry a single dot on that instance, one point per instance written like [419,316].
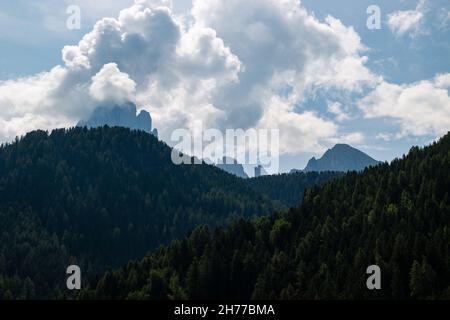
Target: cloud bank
[227,64]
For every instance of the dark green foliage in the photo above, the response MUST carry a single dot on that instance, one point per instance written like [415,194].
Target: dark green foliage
[99,198]
[395,216]
[288,189]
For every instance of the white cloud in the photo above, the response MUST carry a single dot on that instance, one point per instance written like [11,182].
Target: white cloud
[222,67]
[111,85]
[409,21]
[28,103]
[337,109]
[284,45]
[442,81]
[121,59]
[420,109]
[355,138]
[383,136]
[298,131]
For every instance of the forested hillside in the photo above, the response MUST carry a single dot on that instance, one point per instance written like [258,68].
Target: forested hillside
[288,189]
[98,198]
[396,216]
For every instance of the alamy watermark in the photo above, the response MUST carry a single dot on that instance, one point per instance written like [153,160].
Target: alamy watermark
[74,280]
[73,21]
[258,147]
[374,19]
[374,281]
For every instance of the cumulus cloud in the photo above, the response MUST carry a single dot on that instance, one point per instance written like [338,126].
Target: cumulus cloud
[408,22]
[419,109]
[298,131]
[281,45]
[120,59]
[139,41]
[223,67]
[29,103]
[111,85]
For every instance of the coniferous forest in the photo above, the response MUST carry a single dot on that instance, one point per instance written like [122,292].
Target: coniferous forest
[288,189]
[224,159]
[395,216]
[99,198]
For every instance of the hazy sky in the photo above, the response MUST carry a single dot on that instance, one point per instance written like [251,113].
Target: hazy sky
[312,69]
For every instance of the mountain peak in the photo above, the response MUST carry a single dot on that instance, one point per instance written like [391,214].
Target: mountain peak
[342,146]
[124,115]
[342,157]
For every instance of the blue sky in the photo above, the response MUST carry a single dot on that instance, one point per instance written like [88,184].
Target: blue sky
[394,71]
[400,60]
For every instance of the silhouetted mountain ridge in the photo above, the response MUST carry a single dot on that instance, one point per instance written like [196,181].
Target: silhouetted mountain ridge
[124,115]
[341,158]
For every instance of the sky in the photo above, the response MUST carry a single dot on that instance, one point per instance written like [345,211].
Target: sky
[313,69]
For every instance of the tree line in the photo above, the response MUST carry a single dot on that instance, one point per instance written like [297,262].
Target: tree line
[395,216]
[99,198]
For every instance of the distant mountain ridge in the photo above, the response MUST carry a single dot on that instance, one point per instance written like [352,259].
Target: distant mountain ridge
[233,167]
[341,158]
[120,116]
